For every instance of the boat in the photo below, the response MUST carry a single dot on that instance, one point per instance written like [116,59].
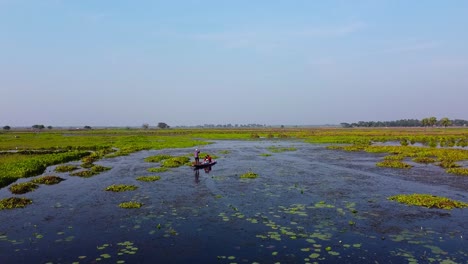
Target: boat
[203,165]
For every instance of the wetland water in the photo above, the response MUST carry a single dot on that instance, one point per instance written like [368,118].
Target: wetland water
[308,205]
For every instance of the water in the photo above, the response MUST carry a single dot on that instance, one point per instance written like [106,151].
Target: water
[309,205]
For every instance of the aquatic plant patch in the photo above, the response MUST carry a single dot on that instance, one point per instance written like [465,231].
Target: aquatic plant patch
[149,178]
[36,165]
[14,202]
[23,187]
[48,180]
[249,175]
[425,160]
[66,168]
[429,201]
[275,149]
[458,171]
[175,162]
[130,205]
[96,169]
[121,188]
[393,164]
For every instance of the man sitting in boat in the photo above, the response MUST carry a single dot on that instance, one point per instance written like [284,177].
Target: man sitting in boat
[207,159]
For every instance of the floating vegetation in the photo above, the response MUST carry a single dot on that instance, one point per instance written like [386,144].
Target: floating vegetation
[130,205]
[14,202]
[66,168]
[394,157]
[458,171]
[393,164]
[149,178]
[49,180]
[266,154]
[175,162]
[96,169]
[157,158]
[249,175]
[224,152]
[157,169]
[425,160]
[24,187]
[121,188]
[429,201]
[275,149]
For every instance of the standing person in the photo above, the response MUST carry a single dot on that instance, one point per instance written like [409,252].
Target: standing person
[197,158]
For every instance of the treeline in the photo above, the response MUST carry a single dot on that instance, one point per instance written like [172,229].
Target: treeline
[425,122]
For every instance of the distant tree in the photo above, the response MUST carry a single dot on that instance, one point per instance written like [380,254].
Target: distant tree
[38,126]
[445,122]
[145,126]
[432,121]
[87,127]
[6,128]
[345,125]
[49,127]
[162,125]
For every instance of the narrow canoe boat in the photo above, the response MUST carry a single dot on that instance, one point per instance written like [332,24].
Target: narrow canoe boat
[203,165]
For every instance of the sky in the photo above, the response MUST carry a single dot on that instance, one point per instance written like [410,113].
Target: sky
[194,62]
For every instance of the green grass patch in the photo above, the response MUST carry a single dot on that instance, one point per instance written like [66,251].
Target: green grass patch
[121,188]
[249,175]
[66,168]
[425,160]
[175,162]
[393,164]
[394,157]
[458,171]
[266,154]
[48,180]
[149,178]
[130,205]
[429,201]
[23,187]
[95,170]
[14,202]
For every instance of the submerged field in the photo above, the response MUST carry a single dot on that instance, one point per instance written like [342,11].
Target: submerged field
[310,200]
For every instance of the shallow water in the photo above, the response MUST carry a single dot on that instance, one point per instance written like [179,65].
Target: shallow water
[309,205]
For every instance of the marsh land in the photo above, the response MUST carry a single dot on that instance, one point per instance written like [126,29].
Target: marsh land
[274,196]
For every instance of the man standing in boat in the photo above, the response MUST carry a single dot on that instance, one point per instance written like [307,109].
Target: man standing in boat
[197,158]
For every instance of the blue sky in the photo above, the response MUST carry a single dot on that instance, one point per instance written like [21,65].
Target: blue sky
[125,63]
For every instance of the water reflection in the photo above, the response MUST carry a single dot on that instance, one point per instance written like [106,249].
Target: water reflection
[197,173]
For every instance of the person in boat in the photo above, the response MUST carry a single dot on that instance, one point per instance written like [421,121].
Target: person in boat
[197,158]
[207,159]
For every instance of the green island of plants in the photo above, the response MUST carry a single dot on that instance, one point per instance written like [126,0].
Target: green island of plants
[275,149]
[65,168]
[130,205]
[458,171]
[48,180]
[393,164]
[96,169]
[121,188]
[175,162]
[24,187]
[429,201]
[249,175]
[14,202]
[148,178]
